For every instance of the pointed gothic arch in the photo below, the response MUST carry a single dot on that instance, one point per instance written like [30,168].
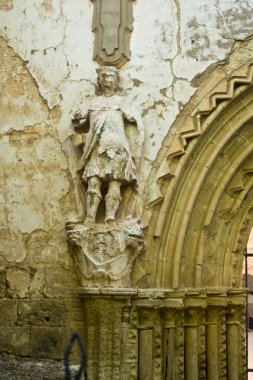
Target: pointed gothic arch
[201,211]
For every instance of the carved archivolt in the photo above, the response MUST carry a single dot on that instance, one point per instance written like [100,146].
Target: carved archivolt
[194,125]
[200,205]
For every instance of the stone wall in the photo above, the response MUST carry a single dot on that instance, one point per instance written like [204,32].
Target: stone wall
[47,73]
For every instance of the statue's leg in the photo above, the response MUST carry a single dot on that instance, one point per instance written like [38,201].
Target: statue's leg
[112,200]
[93,199]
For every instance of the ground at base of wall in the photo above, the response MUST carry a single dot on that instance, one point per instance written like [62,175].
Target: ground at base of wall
[27,369]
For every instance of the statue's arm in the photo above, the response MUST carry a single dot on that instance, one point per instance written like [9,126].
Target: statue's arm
[81,126]
[134,135]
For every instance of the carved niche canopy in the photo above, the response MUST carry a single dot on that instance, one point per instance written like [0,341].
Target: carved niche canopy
[112,25]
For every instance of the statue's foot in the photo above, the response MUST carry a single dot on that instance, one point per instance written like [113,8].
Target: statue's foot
[75,220]
[110,220]
[89,220]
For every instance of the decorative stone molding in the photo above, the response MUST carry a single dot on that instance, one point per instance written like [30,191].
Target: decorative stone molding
[112,25]
[144,334]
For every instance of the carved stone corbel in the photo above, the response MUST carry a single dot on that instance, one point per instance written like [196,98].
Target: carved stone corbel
[112,25]
[104,254]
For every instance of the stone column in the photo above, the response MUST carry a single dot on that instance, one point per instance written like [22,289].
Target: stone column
[146,343]
[212,341]
[145,354]
[168,340]
[191,344]
[233,342]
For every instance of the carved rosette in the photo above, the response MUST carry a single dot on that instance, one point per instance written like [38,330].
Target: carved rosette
[112,25]
[104,254]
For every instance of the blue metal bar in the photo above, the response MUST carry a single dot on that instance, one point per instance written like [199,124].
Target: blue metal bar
[84,356]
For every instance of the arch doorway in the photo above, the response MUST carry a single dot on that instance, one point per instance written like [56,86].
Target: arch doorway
[200,225]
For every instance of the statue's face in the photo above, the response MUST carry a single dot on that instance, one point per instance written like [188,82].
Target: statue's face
[108,80]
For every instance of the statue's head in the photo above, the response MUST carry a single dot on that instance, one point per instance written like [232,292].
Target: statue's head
[108,77]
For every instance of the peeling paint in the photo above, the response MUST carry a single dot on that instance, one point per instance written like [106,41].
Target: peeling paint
[6,5]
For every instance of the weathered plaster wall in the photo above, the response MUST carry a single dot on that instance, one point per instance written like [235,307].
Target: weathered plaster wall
[172,43]
[47,73]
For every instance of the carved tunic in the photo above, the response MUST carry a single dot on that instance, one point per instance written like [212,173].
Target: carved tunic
[106,153]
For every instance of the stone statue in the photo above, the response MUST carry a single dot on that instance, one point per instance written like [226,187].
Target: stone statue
[110,153]
[110,133]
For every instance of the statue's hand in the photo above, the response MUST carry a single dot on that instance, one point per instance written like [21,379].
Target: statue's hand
[77,139]
[78,118]
[75,230]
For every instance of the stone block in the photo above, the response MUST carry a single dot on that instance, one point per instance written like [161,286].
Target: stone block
[49,342]
[8,315]
[58,282]
[15,340]
[18,282]
[37,284]
[44,312]
[78,316]
[2,284]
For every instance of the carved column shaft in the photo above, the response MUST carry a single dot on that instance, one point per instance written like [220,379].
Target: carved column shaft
[170,365]
[168,353]
[145,354]
[233,343]
[146,343]
[212,335]
[191,344]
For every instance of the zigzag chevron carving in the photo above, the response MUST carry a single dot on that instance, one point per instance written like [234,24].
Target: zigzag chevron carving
[224,91]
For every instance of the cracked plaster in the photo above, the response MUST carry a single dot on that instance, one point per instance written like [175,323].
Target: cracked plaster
[34,175]
[48,73]
[172,41]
